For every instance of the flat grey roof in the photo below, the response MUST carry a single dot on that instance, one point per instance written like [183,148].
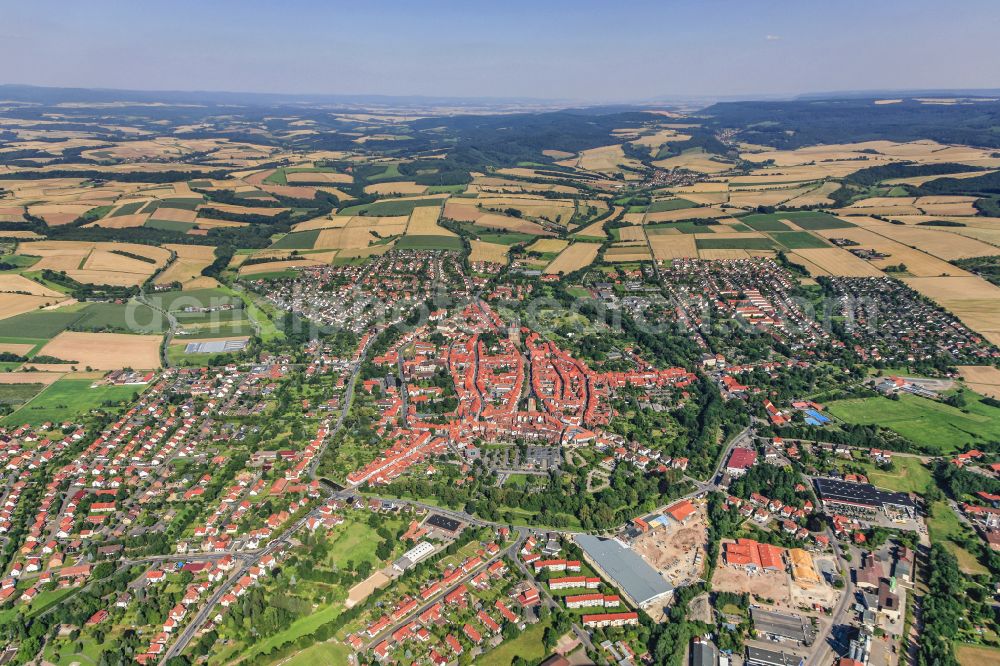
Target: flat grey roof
[764,657]
[215,346]
[639,581]
[780,624]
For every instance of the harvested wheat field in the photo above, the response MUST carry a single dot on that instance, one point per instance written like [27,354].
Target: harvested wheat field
[493,253]
[15,304]
[694,160]
[938,242]
[278,266]
[917,263]
[723,255]
[631,234]
[187,267]
[595,230]
[14,283]
[463,212]
[984,379]
[120,221]
[299,177]
[970,298]
[817,196]
[766,197]
[545,245]
[18,348]
[702,213]
[835,261]
[507,223]
[606,159]
[95,262]
[29,377]
[673,246]
[424,222]
[59,214]
[326,222]
[627,253]
[573,258]
[339,239]
[404,187]
[106,351]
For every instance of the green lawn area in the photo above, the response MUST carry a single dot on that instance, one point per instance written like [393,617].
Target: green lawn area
[18,394]
[169,225]
[909,476]
[298,240]
[133,317]
[66,398]
[38,325]
[668,205]
[808,220]
[357,542]
[927,422]
[301,627]
[528,646]
[976,655]
[750,243]
[797,240]
[175,301]
[944,526]
[321,654]
[446,189]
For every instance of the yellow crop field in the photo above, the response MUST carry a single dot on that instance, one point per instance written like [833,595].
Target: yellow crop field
[507,223]
[673,246]
[174,214]
[121,221]
[573,258]
[767,196]
[836,261]
[917,263]
[817,196]
[424,222]
[970,298]
[596,230]
[939,242]
[694,160]
[347,237]
[317,259]
[627,253]
[95,262]
[12,282]
[187,267]
[15,304]
[984,379]
[58,214]
[723,255]
[702,213]
[106,351]
[634,233]
[482,251]
[545,245]
[404,187]
[325,222]
[297,177]
[606,159]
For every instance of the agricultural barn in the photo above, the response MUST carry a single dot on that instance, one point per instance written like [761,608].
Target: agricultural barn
[862,498]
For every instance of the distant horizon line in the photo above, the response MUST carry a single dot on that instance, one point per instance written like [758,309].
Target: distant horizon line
[554,101]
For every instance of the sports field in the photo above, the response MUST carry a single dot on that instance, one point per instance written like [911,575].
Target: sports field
[935,425]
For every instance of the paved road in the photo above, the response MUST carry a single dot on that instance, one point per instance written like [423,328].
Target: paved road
[822,649]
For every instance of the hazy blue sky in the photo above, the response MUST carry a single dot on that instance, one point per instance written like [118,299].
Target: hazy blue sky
[577,49]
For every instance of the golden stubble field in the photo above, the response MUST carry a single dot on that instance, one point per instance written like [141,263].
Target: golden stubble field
[573,258]
[106,351]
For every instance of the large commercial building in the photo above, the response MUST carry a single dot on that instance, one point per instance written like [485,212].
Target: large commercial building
[862,498]
[638,581]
